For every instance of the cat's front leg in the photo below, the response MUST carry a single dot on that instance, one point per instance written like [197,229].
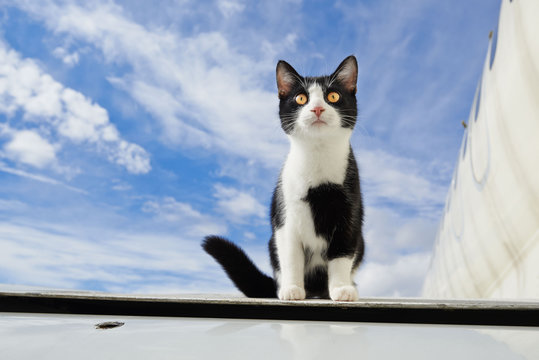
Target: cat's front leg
[291,292]
[292,262]
[341,287]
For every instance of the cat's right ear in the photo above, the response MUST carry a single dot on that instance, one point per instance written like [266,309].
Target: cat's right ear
[286,77]
[346,73]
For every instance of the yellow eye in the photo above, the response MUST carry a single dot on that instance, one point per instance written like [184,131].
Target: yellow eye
[301,99]
[333,97]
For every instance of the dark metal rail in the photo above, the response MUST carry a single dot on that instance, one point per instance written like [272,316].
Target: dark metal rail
[411,311]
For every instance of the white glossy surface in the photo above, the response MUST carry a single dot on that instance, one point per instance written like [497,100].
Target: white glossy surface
[39,336]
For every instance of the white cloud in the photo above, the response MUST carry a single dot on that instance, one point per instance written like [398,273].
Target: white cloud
[202,91]
[399,180]
[389,234]
[70,59]
[119,185]
[84,120]
[30,148]
[236,205]
[397,253]
[11,205]
[36,177]
[167,108]
[58,256]
[183,216]
[403,278]
[229,8]
[51,107]
[132,156]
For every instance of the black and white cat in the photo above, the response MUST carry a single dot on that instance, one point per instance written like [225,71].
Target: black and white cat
[316,211]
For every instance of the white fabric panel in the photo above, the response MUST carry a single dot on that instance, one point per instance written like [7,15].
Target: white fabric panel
[488,239]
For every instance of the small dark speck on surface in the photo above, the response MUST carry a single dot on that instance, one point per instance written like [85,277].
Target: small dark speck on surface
[108,325]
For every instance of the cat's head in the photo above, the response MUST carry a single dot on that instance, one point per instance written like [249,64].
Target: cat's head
[317,106]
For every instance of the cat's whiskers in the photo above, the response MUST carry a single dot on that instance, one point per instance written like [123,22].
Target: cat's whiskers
[362,127]
[290,121]
[348,120]
[351,121]
[287,127]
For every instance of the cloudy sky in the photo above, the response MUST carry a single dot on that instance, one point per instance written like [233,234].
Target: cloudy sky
[128,131]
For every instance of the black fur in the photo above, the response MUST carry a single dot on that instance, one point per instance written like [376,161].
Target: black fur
[338,214]
[239,268]
[316,283]
[337,209]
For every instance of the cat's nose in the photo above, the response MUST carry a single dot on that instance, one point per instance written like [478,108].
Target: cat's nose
[318,111]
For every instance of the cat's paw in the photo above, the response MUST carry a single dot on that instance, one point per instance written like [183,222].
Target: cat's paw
[291,292]
[344,293]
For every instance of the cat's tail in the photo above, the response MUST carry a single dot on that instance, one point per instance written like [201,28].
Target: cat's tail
[239,268]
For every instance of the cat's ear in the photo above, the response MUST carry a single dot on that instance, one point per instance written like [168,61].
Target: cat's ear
[286,78]
[346,73]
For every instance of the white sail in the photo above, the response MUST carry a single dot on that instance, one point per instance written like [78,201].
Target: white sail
[487,245]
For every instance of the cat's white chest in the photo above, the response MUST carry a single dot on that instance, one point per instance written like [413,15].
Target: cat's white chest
[311,164]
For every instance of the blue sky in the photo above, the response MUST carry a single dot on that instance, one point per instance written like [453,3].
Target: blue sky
[128,131]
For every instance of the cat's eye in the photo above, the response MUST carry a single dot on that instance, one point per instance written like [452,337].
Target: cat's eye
[333,97]
[301,99]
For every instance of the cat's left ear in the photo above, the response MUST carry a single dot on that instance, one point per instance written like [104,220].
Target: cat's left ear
[346,73]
